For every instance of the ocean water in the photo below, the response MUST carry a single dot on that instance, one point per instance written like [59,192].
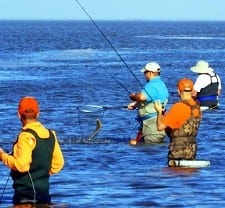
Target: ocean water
[68,65]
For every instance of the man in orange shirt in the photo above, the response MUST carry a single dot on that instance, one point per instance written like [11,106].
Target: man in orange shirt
[36,155]
[181,123]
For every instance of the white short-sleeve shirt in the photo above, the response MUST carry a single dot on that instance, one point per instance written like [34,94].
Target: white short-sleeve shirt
[204,80]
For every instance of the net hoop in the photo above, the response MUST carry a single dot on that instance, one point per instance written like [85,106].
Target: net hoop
[90,108]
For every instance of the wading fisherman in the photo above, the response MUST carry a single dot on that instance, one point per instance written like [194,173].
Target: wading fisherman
[207,86]
[155,89]
[181,123]
[36,155]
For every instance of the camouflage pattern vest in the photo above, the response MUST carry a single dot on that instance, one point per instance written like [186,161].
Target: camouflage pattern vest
[190,127]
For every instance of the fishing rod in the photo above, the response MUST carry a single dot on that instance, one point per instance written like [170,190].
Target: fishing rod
[111,45]
[118,82]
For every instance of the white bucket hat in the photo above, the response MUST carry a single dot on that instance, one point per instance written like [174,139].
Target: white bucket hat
[202,67]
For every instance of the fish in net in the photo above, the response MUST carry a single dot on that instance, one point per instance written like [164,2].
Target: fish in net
[90,120]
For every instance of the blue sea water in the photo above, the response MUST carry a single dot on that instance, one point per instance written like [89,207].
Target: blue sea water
[70,64]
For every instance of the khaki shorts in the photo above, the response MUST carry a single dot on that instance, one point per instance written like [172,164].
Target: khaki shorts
[150,132]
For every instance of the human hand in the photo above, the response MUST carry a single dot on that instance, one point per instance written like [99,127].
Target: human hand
[1,151]
[131,106]
[158,106]
[132,96]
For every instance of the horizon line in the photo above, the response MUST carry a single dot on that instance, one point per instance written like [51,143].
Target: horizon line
[127,20]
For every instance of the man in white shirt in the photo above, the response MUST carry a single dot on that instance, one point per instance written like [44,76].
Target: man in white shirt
[207,86]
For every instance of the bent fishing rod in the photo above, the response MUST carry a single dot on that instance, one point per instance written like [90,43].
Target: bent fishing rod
[111,45]
[114,49]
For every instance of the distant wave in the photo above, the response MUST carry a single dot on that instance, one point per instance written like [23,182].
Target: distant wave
[181,37]
[45,58]
[53,58]
[83,57]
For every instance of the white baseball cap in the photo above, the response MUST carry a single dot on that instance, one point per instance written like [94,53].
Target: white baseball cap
[152,66]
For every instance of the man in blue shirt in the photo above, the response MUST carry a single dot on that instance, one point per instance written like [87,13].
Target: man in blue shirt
[154,90]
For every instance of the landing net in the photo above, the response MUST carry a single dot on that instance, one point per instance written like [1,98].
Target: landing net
[87,117]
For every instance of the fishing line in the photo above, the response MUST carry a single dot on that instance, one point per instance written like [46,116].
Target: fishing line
[118,82]
[115,50]
[111,45]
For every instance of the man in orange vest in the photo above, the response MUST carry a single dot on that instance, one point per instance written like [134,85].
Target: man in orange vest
[181,123]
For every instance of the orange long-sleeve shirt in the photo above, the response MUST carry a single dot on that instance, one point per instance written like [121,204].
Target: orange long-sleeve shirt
[22,150]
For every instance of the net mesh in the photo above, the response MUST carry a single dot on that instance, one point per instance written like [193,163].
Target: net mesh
[87,116]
